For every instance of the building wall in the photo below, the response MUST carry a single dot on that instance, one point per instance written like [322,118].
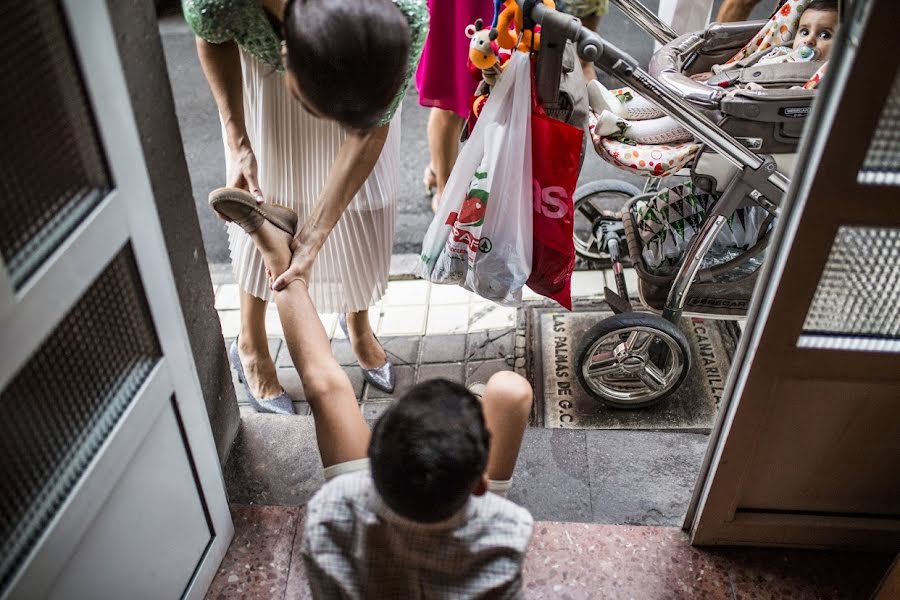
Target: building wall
[143,61]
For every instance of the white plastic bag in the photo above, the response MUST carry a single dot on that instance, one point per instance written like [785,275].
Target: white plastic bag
[481,237]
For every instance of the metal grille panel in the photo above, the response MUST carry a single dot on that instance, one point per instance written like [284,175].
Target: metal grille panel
[64,402]
[882,163]
[859,291]
[51,166]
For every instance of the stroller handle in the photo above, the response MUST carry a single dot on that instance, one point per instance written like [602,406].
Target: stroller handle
[619,64]
[644,17]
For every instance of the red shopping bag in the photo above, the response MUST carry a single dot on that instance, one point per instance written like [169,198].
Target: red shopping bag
[555,162]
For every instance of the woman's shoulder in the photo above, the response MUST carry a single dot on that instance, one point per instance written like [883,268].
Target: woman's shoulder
[416,12]
[218,21]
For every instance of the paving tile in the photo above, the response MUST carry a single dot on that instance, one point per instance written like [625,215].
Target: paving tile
[579,561]
[643,477]
[444,348]
[491,316]
[356,380]
[450,294]
[402,350]
[372,409]
[374,320]
[256,564]
[290,381]
[451,371]
[551,477]
[407,293]
[231,322]
[302,408]
[588,283]
[490,344]
[343,351]
[273,323]
[274,461]
[479,371]
[408,320]
[228,297]
[447,319]
[406,378]
[297,587]
[631,281]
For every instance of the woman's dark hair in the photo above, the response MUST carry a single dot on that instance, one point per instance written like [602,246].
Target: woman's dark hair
[350,57]
[429,450]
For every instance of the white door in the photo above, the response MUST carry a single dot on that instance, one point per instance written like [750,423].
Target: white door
[808,452]
[110,485]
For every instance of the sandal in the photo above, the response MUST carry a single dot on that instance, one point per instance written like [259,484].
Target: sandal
[239,207]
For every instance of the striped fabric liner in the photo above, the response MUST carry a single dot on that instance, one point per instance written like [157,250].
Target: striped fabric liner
[294,153]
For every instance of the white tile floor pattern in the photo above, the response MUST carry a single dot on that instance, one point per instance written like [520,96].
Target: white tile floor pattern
[419,307]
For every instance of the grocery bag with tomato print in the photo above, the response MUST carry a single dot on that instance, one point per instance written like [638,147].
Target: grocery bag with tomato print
[481,237]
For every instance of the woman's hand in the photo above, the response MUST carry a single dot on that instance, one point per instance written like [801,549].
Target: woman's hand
[702,76]
[242,170]
[302,259]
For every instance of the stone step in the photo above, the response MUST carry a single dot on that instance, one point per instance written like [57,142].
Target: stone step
[576,561]
[624,477]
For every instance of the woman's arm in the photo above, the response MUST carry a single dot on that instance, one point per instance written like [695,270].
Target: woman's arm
[354,163]
[222,66]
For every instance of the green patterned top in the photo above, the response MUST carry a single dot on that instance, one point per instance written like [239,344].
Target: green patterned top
[245,22]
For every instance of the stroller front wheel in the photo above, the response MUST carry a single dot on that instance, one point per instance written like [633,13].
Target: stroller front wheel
[633,360]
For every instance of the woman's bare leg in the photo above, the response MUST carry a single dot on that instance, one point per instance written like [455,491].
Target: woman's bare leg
[366,348]
[341,431]
[735,10]
[592,22]
[507,405]
[444,127]
[253,348]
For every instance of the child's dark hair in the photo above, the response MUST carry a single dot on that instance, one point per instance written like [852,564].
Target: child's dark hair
[822,5]
[429,450]
[349,57]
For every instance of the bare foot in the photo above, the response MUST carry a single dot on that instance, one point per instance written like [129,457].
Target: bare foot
[274,245]
[368,351]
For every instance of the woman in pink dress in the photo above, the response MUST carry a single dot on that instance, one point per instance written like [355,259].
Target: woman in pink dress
[445,83]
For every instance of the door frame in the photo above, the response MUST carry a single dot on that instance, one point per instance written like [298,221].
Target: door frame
[127,215]
[834,149]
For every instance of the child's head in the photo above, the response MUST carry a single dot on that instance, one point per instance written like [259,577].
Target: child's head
[429,451]
[818,25]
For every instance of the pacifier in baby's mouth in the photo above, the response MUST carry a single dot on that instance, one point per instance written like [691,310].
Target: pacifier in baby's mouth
[807,53]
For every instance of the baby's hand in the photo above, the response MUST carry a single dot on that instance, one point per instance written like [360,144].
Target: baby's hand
[702,76]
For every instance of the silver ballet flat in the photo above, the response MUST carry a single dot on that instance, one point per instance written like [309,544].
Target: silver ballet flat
[384,377]
[282,404]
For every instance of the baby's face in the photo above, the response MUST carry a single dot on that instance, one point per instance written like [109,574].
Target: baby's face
[816,30]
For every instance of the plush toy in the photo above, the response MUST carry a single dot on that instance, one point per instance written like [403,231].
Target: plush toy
[508,37]
[484,53]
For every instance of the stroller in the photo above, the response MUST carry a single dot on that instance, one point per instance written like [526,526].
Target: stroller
[743,160]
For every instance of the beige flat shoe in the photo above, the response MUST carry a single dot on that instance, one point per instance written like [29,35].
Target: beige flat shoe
[239,207]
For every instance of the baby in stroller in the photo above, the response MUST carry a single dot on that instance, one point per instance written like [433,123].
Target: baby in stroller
[623,115]
[633,133]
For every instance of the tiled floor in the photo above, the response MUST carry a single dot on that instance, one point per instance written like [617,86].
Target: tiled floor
[576,561]
[456,332]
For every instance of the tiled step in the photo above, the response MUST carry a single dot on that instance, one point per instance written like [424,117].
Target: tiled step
[576,561]
[622,477]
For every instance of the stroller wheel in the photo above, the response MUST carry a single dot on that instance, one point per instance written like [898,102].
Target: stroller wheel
[596,200]
[632,360]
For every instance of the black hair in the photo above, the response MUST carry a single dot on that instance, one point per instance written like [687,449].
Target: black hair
[350,57]
[822,5]
[429,450]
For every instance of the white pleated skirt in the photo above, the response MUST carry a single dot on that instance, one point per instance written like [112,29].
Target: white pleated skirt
[294,153]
